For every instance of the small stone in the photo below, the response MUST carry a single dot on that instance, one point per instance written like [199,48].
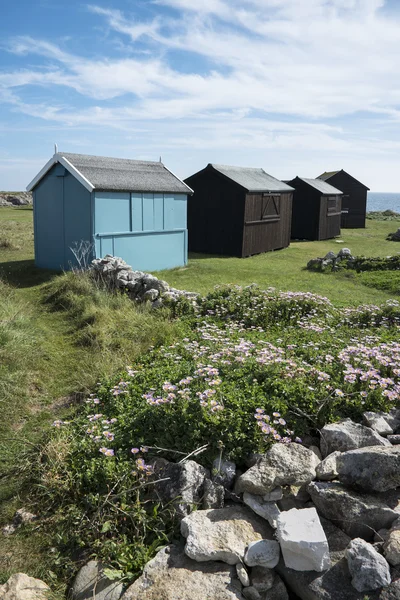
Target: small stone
[303,541]
[242,575]
[327,469]
[9,529]
[91,581]
[263,553]
[250,593]
[316,451]
[347,435]
[391,547]
[214,495]
[262,578]
[267,510]
[21,587]
[278,591]
[150,295]
[369,570]
[273,495]
[394,439]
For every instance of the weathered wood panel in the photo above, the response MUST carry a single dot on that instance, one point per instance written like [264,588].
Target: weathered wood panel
[267,223]
[354,200]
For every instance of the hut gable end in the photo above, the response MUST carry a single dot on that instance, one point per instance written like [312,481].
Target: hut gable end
[354,199]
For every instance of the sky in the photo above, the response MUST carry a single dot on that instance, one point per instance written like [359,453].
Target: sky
[297,87]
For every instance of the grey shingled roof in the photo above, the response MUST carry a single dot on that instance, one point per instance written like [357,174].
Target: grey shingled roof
[126,175]
[321,186]
[253,180]
[327,175]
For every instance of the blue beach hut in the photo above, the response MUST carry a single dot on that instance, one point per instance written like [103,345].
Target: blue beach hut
[128,208]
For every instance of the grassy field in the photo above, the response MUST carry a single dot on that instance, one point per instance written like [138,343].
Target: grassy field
[59,335]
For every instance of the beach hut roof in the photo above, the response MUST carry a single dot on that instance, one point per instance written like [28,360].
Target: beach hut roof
[321,186]
[116,174]
[252,179]
[328,174]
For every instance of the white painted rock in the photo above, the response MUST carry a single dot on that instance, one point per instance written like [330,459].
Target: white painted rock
[303,541]
[22,587]
[264,553]
[290,464]
[222,534]
[327,469]
[267,510]
[369,569]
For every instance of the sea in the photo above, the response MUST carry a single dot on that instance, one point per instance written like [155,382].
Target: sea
[381,201]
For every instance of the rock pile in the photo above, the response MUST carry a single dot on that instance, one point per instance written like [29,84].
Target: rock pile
[394,237]
[331,261]
[15,198]
[292,523]
[140,286]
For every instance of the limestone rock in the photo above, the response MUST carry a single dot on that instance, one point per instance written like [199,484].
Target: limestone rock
[327,469]
[290,464]
[359,515]
[368,568]
[303,541]
[91,581]
[262,578]
[267,510]
[150,295]
[370,469]
[173,576]
[214,495]
[379,421]
[263,553]
[224,472]
[222,534]
[21,587]
[394,439]
[347,435]
[242,575]
[185,485]
[391,546]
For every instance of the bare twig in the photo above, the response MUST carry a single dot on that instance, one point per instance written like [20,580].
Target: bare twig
[195,452]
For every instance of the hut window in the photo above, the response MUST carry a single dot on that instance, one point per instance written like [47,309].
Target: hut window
[332,205]
[270,208]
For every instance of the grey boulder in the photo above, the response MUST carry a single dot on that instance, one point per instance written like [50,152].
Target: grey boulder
[91,582]
[347,435]
[173,576]
[263,553]
[359,515]
[214,495]
[368,568]
[267,510]
[183,485]
[371,469]
[290,464]
[379,421]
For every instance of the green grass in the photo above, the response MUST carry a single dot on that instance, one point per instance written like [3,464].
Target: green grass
[284,269]
[59,335]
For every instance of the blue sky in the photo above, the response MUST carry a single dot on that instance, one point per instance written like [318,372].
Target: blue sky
[296,87]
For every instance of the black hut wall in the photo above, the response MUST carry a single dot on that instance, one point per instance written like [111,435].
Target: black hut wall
[305,212]
[330,217]
[215,214]
[354,200]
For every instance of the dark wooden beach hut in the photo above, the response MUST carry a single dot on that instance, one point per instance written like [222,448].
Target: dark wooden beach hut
[238,211]
[316,210]
[354,199]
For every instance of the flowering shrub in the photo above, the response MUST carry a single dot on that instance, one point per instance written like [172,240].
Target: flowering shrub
[254,368]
